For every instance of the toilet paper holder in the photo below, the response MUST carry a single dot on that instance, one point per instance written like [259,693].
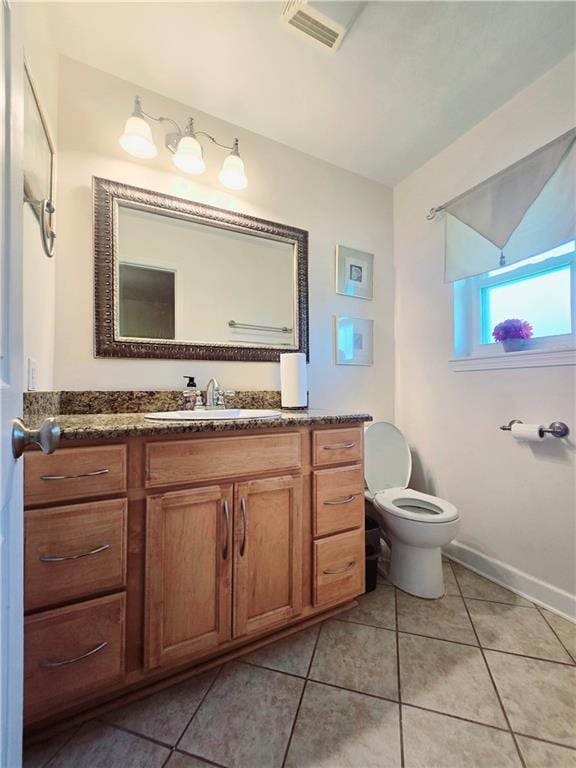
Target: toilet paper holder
[556,429]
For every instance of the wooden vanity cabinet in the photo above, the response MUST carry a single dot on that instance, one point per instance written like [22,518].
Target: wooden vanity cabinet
[267,554]
[188,549]
[188,573]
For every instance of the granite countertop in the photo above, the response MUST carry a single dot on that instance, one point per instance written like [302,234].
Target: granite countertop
[112,425]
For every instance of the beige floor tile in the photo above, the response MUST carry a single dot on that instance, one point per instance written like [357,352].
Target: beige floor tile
[165,715]
[292,655]
[97,745]
[450,584]
[437,741]
[357,657]
[449,678]
[343,729]
[539,696]
[376,608]
[515,629]
[538,754]
[445,618]
[37,755]
[246,718]
[475,586]
[566,630]
[178,760]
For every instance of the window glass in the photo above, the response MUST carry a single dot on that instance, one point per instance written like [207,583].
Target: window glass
[543,299]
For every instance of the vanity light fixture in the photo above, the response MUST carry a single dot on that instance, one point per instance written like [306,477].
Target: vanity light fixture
[186,149]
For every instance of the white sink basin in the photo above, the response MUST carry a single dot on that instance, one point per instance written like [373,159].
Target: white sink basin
[214,415]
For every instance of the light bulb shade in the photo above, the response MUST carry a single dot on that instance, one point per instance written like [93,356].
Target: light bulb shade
[137,139]
[232,174]
[188,156]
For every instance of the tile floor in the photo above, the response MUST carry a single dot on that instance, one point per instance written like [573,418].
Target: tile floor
[479,679]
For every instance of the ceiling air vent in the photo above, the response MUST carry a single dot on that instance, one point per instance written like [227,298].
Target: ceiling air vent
[324,23]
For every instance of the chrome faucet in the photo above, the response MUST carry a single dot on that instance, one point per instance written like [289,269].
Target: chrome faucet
[213,395]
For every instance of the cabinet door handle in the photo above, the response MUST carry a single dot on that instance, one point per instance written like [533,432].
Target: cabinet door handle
[346,500]
[47,664]
[338,446]
[75,477]
[332,572]
[227,525]
[244,526]
[61,558]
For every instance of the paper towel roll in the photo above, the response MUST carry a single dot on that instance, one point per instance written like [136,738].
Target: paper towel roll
[527,433]
[294,380]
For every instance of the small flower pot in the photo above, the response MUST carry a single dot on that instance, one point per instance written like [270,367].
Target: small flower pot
[513,345]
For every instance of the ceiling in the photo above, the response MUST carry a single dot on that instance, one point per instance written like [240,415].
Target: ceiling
[409,78]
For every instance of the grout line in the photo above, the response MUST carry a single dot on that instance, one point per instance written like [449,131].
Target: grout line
[293,728]
[521,757]
[498,602]
[270,669]
[545,741]
[557,635]
[202,700]
[400,723]
[456,642]
[124,729]
[61,747]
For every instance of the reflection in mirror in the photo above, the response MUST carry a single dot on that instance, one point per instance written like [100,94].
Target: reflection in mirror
[187,281]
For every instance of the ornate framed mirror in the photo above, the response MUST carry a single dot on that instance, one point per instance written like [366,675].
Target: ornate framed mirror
[176,279]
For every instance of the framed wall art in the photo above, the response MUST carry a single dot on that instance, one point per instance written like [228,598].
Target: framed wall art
[354,272]
[353,340]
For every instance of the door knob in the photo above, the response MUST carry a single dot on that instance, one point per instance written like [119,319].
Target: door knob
[47,436]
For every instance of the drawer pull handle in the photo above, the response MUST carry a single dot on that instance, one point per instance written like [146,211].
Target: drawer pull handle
[339,446]
[227,524]
[61,558]
[244,526]
[75,477]
[332,572]
[346,500]
[47,664]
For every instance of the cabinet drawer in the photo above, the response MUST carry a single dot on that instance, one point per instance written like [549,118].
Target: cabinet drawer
[71,653]
[337,446]
[74,551]
[74,473]
[338,499]
[339,567]
[190,461]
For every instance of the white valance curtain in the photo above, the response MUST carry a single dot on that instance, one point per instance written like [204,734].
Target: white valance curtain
[522,211]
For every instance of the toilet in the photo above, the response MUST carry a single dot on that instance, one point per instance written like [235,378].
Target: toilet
[416,524]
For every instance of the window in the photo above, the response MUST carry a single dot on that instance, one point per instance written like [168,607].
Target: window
[540,290]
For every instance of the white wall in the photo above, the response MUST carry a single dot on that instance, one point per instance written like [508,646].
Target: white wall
[39,271]
[517,503]
[284,185]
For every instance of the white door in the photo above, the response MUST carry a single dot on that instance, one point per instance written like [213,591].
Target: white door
[11,514]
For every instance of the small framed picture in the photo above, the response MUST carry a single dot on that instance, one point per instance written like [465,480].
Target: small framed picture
[353,340]
[354,270]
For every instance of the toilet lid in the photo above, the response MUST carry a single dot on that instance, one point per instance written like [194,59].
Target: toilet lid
[388,463]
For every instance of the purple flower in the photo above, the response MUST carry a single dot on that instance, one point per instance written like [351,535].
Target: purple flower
[512,329]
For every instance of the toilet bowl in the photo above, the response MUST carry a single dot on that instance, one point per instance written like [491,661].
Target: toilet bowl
[416,524]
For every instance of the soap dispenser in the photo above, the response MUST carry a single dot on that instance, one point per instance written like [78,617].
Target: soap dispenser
[190,394]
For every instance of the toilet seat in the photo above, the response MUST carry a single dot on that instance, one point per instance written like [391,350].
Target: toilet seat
[414,505]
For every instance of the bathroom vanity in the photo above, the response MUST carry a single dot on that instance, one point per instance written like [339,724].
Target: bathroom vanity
[155,550]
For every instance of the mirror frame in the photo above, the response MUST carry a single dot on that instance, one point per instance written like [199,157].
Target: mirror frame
[106,196]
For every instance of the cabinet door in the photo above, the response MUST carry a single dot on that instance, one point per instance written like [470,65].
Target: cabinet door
[188,571]
[267,553]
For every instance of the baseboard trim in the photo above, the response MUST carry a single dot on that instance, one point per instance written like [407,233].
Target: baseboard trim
[539,592]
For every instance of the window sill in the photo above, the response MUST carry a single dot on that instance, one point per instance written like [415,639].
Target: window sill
[530,358]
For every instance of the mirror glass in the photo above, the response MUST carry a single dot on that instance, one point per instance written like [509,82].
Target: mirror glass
[181,280]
